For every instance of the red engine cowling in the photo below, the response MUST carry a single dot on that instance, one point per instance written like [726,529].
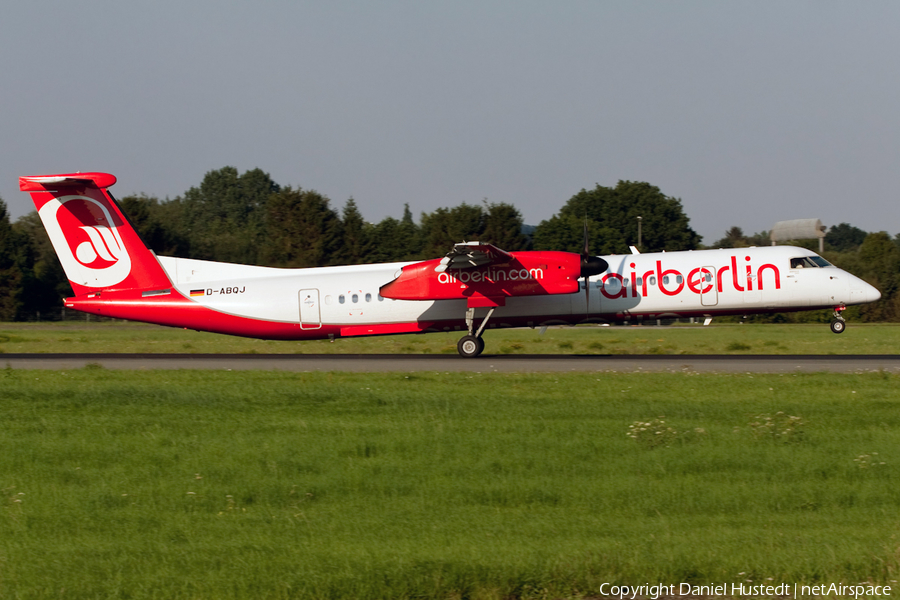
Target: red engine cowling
[527,274]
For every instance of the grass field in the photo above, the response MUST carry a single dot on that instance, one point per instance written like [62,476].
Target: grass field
[696,339]
[272,485]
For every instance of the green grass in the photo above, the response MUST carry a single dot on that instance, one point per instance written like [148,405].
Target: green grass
[273,485]
[686,339]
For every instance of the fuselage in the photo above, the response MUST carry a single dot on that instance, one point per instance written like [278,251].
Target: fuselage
[345,301]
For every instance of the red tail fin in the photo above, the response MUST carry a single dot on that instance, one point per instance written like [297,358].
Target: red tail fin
[97,246]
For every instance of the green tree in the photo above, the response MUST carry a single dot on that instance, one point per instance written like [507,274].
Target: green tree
[879,264]
[409,240]
[844,237]
[302,230]
[45,283]
[735,238]
[759,239]
[225,217]
[611,215]
[156,223]
[355,230]
[10,272]
[445,227]
[385,238]
[391,240]
[503,227]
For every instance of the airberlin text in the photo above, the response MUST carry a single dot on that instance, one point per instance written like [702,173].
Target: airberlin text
[700,280]
[490,275]
[653,591]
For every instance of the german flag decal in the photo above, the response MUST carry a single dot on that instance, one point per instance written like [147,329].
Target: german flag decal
[198,293]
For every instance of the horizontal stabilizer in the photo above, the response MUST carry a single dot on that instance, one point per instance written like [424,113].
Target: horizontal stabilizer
[39,183]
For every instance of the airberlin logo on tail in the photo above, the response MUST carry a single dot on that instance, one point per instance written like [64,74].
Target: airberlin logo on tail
[101,244]
[85,238]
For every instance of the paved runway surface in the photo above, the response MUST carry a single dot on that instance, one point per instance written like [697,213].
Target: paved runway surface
[369,363]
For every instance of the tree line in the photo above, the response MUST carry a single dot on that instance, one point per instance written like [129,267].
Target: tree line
[250,219]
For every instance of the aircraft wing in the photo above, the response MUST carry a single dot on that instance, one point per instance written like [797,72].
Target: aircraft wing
[468,255]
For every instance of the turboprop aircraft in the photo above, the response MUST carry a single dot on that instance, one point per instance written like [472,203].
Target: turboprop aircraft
[476,285]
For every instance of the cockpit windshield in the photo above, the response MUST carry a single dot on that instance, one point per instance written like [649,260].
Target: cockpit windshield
[809,262]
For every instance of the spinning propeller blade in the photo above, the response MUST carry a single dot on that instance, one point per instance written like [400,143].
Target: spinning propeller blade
[590,265]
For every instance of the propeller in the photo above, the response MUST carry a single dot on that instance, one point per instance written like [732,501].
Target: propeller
[590,265]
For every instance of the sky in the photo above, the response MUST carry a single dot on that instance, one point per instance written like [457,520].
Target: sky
[749,113]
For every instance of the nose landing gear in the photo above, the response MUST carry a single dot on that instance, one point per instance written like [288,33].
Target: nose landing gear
[472,345]
[838,324]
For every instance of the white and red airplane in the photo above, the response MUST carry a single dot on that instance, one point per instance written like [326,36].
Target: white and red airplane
[114,274]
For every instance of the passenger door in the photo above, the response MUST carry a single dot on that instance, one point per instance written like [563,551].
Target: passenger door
[708,296]
[310,312]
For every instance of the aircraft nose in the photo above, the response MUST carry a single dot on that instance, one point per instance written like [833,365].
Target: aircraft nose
[862,292]
[872,293]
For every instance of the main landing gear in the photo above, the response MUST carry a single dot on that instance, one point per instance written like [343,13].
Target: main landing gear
[472,345]
[838,324]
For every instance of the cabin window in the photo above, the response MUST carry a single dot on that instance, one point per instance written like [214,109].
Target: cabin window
[679,279]
[652,281]
[639,281]
[368,297]
[341,299]
[355,298]
[380,298]
[666,280]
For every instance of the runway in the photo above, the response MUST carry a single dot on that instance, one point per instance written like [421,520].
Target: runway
[404,363]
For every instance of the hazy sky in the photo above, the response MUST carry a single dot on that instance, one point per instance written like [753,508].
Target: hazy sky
[749,113]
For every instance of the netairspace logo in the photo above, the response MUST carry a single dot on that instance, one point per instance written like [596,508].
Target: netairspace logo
[782,590]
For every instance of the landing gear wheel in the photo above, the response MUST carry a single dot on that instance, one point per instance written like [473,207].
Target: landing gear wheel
[838,326]
[470,346]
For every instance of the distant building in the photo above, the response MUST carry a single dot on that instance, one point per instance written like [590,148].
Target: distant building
[799,229]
